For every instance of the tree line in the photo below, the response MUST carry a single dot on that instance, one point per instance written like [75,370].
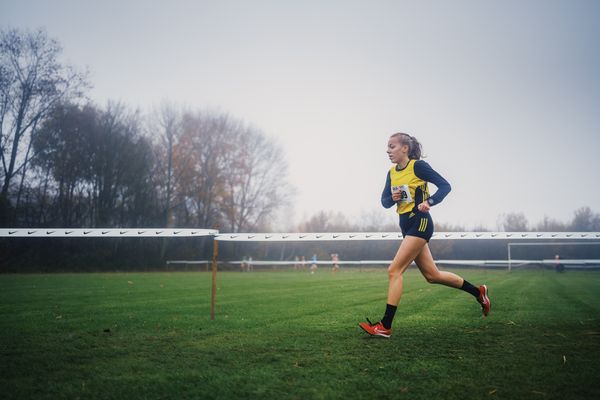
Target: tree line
[584,219]
[68,162]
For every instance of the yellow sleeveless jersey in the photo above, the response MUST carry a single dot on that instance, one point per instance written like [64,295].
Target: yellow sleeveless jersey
[412,188]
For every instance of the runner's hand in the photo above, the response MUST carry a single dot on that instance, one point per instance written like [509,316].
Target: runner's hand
[424,206]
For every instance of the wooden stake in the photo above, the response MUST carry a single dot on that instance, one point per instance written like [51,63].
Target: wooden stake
[214,278]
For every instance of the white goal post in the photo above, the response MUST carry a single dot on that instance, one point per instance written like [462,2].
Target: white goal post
[548,261]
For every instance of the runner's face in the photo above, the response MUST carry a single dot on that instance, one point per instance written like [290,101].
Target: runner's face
[396,151]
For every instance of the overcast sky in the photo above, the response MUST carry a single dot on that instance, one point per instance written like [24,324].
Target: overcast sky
[504,96]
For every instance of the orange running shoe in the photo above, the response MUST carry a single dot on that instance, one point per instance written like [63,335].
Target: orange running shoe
[375,329]
[484,300]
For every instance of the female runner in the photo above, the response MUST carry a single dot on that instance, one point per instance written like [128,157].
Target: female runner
[406,186]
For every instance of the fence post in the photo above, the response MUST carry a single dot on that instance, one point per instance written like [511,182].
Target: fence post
[214,278]
[509,258]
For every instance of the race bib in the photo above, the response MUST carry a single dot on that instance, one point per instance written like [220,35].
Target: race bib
[404,193]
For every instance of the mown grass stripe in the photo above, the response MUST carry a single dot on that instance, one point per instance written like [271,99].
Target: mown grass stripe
[295,335]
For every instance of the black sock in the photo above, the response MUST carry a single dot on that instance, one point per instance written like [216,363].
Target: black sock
[388,317]
[467,287]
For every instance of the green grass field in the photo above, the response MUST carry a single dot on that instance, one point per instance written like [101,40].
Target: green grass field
[292,335]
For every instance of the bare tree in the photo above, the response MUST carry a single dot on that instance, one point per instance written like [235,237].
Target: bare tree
[97,167]
[32,81]
[63,150]
[548,224]
[329,221]
[446,227]
[256,185]
[585,220]
[227,174]
[200,164]
[513,222]
[118,162]
[165,125]
[378,220]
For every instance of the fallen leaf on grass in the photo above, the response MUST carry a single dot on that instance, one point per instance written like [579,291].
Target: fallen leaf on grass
[537,392]
[564,360]
[403,389]
[131,283]
[59,317]
[510,322]
[551,334]
[492,391]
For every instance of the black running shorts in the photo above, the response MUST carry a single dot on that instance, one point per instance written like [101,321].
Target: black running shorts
[417,224]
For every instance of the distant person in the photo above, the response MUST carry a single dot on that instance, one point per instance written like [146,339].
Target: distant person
[302,262]
[335,259]
[558,265]
[296,263]
[407,187]
[313,267]
[249,266]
